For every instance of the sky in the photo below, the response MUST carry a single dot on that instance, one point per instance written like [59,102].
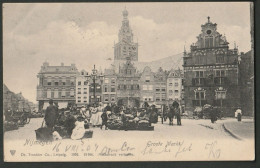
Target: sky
[84,33]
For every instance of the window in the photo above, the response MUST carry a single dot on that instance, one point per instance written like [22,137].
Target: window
[49,93]
[157,89]
[106,98]
[208,41]
[106,90]
[199,97]
[71,92]
[85,92]
[79,101]
[150,87]
[199,78]
[163,89]
[49,83]
[85,88]
[79,83]
[176,92]
[176,84]
[106,80]
[219,59]
[145,87]
[79,97]
[128,87]
[52,94]
[157,99]
[63,83]
[113,80]
[163,97]
[220,77]
[170,84]
[63,93]
[56,93]
[220,97]
[113,89]
[56,83]
[220,94]
[79,92]
[147,79]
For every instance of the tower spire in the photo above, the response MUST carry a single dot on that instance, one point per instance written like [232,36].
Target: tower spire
[208,19]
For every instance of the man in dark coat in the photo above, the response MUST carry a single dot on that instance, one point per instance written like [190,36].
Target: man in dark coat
[69,123]
[51,115]
[171,115]
[104,120]
[178,114]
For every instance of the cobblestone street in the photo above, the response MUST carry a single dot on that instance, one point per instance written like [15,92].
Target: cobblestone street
[190,129]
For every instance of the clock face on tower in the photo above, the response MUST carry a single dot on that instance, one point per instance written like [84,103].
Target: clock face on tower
[208,31]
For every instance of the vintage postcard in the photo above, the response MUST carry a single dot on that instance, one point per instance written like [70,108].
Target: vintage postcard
[154,81]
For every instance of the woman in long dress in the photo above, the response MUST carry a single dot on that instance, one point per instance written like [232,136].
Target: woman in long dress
[96,119]
[99,113]
[79,130]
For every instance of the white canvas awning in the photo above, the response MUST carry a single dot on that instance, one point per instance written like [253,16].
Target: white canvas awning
[60,104]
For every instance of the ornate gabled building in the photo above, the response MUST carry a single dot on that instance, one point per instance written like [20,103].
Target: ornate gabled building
[128,91]
[126,47]
[211,72]
[57,83]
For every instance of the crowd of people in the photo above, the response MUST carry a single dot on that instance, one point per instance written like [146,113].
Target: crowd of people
[96,115]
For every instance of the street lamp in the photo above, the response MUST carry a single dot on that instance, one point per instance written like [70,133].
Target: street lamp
[94,76]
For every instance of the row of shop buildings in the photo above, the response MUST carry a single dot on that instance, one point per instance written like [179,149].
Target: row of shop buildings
[16,102]
[65,84]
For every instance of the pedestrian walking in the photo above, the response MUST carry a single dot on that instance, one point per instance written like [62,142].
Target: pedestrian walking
[178,114]
[171,115]
[213,114]
[104,120]
[108,109]
[123,119]
[239,114]
[51,115]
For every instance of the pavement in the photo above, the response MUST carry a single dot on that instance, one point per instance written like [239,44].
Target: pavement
[191,128]
[241,130]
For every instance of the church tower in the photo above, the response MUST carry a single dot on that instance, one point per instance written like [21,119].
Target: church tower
[125,46]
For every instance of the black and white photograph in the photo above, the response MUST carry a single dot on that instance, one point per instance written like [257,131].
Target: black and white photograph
[140,81]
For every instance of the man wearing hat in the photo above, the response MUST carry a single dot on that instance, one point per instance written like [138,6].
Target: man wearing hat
[51,115]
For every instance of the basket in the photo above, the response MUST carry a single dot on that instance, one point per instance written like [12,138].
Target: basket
[43,133]
[88,134]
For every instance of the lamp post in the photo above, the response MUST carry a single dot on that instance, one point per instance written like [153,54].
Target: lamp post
[94,76]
